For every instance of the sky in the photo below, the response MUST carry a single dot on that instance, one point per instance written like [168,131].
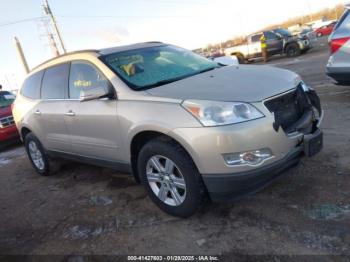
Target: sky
[93,24]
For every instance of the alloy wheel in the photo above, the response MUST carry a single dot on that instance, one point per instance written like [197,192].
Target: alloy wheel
[35,155]
[166,180]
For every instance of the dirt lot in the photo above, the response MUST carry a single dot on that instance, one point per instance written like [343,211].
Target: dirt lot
[90,210]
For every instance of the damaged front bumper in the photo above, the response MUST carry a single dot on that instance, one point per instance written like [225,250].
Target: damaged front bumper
[295,113]
[224,187]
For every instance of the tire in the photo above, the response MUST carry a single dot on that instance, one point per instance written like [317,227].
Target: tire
[43,166]
[181,201]
[240,58]
[303,52]
[293,50]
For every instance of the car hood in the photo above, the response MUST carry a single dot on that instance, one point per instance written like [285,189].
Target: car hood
[246,83]
[5,111]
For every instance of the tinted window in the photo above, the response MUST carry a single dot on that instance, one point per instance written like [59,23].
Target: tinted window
[84,76]
[31,86]
[270,36]
[55,82]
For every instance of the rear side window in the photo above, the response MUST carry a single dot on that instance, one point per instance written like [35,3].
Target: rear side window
[256,38]
[31,86]
[55,82]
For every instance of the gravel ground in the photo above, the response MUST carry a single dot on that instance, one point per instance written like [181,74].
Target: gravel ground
[86,210]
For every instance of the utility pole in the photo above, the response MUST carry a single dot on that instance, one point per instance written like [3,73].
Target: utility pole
[50,37]
[21,55]
[310,11]
[48,12]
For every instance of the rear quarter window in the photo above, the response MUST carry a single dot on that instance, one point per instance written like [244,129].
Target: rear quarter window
[31,86]
[55,82]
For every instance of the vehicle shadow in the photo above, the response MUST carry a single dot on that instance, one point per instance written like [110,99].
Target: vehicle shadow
[10,145]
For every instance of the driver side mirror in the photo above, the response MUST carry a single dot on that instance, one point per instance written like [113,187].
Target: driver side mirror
[95,93]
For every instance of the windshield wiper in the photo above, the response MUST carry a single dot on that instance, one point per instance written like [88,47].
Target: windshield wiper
[164,82]
[168,81]
[205,70]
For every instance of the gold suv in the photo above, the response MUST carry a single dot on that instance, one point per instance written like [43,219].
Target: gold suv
[187,127]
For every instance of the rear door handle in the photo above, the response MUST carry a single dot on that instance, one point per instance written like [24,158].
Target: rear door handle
[70,113]
[37,112]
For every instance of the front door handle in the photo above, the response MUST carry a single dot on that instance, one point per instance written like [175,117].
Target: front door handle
[37,112]
[70,113]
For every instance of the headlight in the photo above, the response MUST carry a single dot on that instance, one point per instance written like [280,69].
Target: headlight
[305,87]
[212,113]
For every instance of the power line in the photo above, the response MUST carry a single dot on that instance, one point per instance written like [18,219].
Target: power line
[20,21]
[126,16]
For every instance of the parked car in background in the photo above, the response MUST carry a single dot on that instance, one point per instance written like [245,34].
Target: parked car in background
[304,33]
[8,129]
[303,40]
[279,41]
[338,66]
[181,123]
[325,30]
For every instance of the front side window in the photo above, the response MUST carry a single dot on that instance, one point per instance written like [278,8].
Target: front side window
[84,76]
[155,66]
[6,98]
[31,86]
[55,81]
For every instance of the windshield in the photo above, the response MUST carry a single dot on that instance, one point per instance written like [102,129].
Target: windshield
[283,32]
[6,98]
[155,66]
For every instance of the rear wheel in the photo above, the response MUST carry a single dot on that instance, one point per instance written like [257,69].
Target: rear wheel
[241,58]
[292,50]
[171,178]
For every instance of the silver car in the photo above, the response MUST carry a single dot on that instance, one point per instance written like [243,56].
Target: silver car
[189,129]
[338,66]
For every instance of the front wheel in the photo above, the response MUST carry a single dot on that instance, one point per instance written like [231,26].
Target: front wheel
[293,50]
[171,178]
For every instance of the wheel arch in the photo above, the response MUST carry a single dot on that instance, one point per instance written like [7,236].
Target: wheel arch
[241,58]
[25,131]
[291,44]
[141,138]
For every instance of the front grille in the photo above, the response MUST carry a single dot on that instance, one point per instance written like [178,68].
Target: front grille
[6,121]
[289,109]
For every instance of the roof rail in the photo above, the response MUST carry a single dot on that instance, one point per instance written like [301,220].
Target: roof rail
[66,54]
